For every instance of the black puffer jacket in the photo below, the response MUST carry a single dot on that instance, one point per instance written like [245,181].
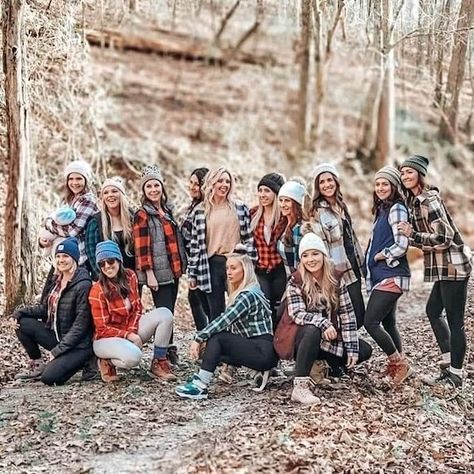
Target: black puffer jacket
[73,317]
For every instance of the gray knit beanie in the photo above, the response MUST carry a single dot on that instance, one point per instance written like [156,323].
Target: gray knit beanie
[418,163]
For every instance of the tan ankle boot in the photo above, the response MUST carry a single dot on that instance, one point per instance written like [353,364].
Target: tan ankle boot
[301,392]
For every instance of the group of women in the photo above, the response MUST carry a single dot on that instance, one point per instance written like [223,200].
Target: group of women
[291,252]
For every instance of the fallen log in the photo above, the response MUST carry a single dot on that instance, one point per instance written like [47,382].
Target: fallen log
[178,46]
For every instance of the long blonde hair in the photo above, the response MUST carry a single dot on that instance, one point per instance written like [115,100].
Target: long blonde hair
[125,222]
[276,214]
[249,279]
[208,189]
[322,293]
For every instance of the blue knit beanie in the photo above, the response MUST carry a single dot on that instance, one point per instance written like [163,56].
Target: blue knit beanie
[69,246]
[108,249]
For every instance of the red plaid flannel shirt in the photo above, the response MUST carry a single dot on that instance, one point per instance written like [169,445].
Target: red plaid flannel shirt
[268,256]
[143,244]
[111,316]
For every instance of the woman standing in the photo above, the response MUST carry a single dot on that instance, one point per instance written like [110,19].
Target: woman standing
[267,224]
[447,264]
[388,274]
[160,254]
[120,327]
[241,336]
[114,222]
[290,199]
[61,324]
[219,223]
[197,299]
[78,175]
[334,225]
[322,308]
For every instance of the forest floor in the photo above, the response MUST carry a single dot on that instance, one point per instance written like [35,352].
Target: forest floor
[139,424]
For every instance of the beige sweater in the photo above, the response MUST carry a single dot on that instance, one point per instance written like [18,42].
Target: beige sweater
[222,230]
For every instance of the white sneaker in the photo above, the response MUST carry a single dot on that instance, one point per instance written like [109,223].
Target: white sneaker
[301,392]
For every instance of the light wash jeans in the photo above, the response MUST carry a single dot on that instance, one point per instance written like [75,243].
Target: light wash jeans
[123,353]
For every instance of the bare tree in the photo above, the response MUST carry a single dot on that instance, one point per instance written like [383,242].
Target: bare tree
[450,100]
[304,117]
[19,268]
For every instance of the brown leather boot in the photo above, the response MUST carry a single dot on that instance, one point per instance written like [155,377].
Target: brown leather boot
[161,369]
[107,370]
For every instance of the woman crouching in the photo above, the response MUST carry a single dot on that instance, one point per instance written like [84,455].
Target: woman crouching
[120,327]
[322,308]
[241,336]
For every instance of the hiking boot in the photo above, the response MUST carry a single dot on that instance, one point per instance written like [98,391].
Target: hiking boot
[319,373]
[107,370]
[226,374]
[301,392]
[194,388]
[445,378]
[90,371]
[444,365]
[161,369]
[172,355]
[32,372]
[400,372]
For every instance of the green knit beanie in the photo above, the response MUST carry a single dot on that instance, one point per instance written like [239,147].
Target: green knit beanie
[418,163]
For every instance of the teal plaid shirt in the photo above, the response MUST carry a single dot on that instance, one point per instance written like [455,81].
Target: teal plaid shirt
[249,316]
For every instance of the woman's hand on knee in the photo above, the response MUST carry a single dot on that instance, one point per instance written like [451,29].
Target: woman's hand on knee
[195,350]
[136,339]
[352,361]
[330,334]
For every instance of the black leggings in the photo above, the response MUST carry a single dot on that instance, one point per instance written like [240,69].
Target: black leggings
[355,293]
[216,299]
[199,308]
[273,284]
[381,308]
[450,335]
[308,350]
[165,296]
[32,334]
[256,353]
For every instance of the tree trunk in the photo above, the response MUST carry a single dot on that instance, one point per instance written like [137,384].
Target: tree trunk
[304,116]
[384,141]
[442,38]
[370,108]
[19,268]
[450,101]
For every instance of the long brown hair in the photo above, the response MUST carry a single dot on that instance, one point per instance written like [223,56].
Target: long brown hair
[379,205]
[409,194]
[118,284]
[318,198]
[296,217]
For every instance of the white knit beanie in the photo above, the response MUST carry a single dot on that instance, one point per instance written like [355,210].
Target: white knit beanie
[325,168]
[81,167]
[116,182]
[294,190]
[311,241]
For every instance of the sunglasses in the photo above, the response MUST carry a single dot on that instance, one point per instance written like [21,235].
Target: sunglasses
[108,261]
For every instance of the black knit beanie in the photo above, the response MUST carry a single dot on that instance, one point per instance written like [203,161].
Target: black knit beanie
[418,163]
[274,181]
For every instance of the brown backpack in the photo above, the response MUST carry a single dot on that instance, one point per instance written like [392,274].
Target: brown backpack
[285,333]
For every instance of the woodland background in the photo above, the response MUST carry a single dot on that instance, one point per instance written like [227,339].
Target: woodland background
[258,86]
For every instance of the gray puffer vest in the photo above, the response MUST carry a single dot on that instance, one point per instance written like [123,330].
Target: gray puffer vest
[161,264]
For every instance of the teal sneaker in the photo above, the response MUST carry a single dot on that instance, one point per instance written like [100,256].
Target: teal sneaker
[194,388]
